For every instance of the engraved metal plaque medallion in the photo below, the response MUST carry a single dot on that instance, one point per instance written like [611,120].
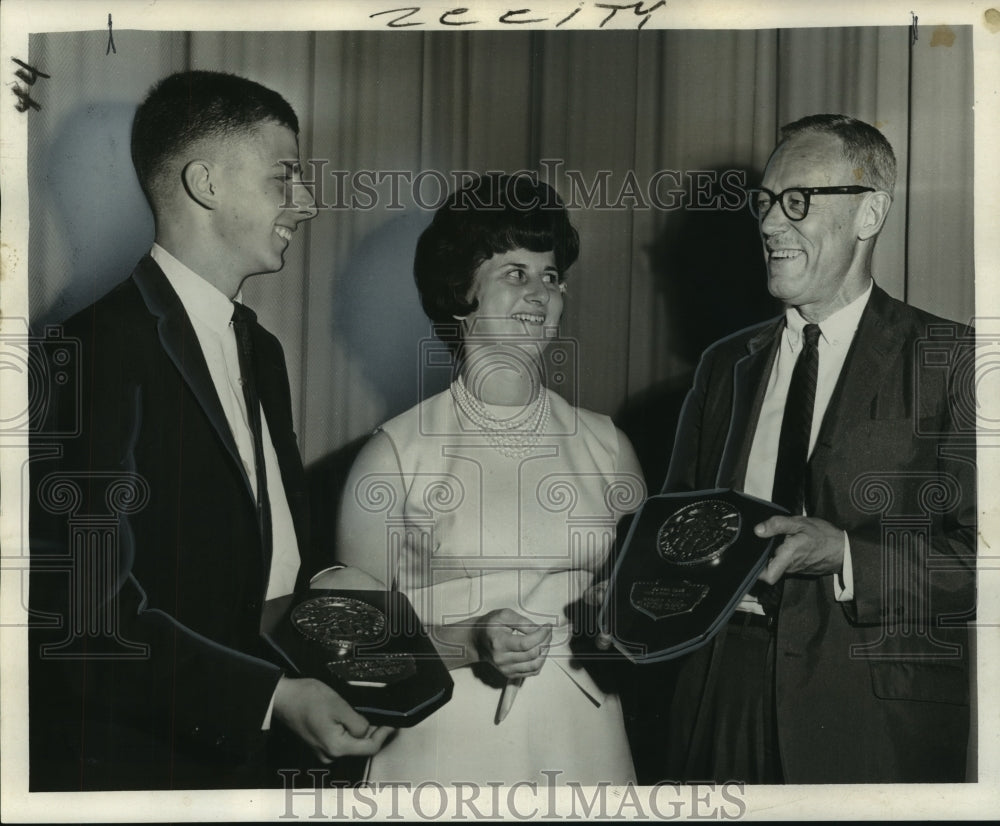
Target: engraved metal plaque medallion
[338,623]
[699,533]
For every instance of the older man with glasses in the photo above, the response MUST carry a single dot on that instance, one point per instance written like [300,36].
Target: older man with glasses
[849,660]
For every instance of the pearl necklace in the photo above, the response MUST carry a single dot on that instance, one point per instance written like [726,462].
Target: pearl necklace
[514,436]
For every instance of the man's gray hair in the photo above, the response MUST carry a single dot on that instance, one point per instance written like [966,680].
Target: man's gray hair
[865,147]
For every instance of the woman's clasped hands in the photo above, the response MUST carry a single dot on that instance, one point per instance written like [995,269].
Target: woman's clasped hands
[511,643]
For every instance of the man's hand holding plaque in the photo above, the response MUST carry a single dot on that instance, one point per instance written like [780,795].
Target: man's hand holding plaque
[685,563]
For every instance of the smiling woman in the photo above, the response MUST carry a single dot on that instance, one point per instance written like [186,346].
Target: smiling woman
[516,292]
[504,500]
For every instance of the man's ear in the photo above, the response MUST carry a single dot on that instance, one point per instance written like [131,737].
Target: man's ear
[199,183]
[873,214]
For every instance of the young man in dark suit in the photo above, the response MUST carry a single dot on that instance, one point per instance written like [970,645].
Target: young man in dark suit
[854,665]
[148,669]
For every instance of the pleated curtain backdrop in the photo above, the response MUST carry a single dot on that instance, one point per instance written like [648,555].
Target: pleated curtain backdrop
[695,111]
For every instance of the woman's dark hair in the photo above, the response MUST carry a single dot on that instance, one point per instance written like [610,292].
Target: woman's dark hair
[492,215]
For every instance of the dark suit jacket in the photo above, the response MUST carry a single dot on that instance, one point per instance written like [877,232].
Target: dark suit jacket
[875,689]
[172,686]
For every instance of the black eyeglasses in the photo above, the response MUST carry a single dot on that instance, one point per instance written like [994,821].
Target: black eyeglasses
[794,200]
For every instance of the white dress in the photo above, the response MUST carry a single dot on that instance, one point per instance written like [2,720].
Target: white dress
[473,530]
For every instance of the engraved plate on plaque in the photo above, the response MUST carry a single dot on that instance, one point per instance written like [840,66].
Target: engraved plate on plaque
[379,670]
[699,533]
[339,623]
[667,599]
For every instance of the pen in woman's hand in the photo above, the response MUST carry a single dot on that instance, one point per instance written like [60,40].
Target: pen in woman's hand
[507,698]
[509,693]
[513,684]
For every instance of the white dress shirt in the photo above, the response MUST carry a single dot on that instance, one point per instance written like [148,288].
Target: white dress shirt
[836,335]
[211,313]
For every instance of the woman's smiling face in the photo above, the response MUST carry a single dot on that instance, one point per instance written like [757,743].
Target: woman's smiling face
[520,297]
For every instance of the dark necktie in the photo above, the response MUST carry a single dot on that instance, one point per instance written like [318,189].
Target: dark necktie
[243,320]
[796,426]
[793,447]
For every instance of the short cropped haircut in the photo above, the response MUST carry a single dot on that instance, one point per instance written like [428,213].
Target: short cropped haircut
[189,106]
[865,147]
[492,215]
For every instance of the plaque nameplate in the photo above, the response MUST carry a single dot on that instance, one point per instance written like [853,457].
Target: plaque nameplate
[665,598]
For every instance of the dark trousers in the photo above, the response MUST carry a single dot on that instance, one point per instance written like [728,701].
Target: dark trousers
[722,718]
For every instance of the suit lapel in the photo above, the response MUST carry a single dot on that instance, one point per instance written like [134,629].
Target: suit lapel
[180,342]
[749,384]
[872,352]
